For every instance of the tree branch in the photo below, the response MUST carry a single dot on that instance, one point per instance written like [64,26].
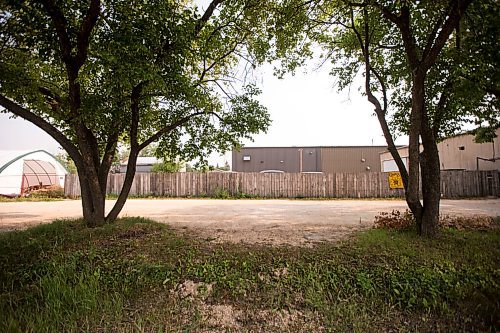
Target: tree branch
[60,24]
[388,14]
[381,113]
[431,37]
[85,30]
[457,11]
[221,58]
[169,128]
[134,125]
[206,16]
[43,124]
[402,21]
[440,108]
[54,100]
[107,158]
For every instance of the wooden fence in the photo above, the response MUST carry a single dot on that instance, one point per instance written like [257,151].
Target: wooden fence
[454,184]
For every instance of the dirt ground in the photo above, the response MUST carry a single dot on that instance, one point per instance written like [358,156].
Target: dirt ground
[297,222]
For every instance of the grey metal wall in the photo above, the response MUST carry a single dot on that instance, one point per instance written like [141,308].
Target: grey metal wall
[351,159]
[286,159]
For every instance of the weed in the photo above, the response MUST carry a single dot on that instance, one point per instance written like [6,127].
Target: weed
[221,193]
[398,220]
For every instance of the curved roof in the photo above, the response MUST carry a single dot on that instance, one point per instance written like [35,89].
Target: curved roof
[7,157]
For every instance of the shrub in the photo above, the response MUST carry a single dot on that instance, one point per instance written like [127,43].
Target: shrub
[221,193]
[395,220]
[477,222]
[404,220]
[48,192]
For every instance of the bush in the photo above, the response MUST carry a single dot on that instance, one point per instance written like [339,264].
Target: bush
[477,222]
[404,221]
[395,220]
[221,193]
[48,192]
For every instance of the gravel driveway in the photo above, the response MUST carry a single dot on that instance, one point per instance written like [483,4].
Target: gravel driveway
[255,221]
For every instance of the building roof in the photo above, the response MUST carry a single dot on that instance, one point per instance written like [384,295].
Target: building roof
[383,148]
[7,157]
[365,146]
[144,160]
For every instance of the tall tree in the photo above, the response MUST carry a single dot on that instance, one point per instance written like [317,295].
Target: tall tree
[95,73]
[415,64]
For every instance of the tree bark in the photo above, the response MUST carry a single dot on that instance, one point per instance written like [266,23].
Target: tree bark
[127,185]
[418,106]
[431,180]
[92,214]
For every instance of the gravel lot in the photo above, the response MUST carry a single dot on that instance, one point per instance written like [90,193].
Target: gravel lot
[254,221]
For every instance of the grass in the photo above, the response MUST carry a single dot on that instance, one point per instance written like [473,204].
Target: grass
[29,199]
[137,275]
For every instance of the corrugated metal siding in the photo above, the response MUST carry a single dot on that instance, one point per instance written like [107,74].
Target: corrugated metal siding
[387,157]
[286,159]
[350,159]
[451,157]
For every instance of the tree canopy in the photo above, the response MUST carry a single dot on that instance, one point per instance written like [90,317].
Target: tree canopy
[95,73]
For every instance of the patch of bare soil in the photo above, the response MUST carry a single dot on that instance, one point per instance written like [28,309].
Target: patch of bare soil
[216,318]
[294,235]
[15,226]
[226,318]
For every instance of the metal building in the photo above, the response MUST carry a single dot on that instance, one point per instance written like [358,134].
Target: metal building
[351,159]
[462,153]
[143,164]
[458,152]
[308,159]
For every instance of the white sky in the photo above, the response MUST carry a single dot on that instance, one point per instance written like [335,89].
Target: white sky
[305,110]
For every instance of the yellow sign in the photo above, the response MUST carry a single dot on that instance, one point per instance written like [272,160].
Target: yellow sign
[395,180]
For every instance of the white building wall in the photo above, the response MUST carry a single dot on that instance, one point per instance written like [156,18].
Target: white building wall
[11,179]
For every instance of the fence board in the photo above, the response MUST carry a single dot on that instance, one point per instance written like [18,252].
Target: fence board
[454,184]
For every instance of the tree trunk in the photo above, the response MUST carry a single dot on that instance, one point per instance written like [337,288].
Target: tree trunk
[431,181]
[93,203]
[93,196]
[127,184]
[426,213]
[418,105]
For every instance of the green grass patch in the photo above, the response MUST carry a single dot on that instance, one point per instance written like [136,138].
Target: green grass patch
[137,275]
[29,199]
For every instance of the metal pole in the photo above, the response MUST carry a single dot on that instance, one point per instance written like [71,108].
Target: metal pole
[300,161]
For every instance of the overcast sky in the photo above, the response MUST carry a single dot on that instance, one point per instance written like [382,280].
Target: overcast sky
[306,110]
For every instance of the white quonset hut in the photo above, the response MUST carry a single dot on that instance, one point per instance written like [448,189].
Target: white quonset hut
[21,171]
